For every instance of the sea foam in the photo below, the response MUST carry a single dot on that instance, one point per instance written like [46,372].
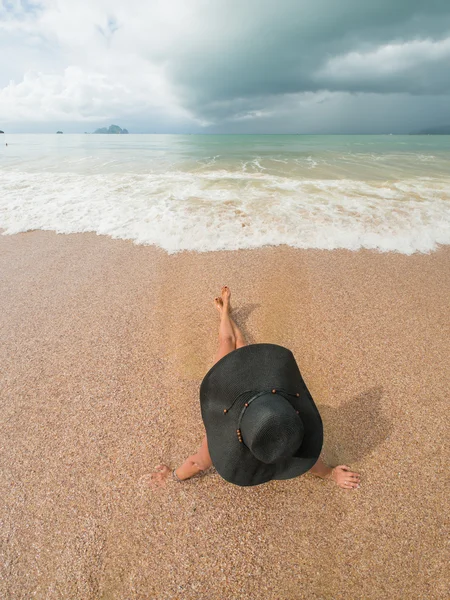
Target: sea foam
[228,210]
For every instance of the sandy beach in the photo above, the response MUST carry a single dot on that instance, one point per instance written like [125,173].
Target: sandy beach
[103,348]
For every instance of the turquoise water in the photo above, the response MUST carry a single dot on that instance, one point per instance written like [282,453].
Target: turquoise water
[211,192]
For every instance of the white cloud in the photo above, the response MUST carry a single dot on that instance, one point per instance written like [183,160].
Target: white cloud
[386,61]
[83,95]
[105,70]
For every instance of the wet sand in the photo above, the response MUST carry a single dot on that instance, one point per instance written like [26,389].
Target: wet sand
[103,347]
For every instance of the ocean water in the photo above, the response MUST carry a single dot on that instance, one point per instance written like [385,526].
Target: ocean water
[219,192]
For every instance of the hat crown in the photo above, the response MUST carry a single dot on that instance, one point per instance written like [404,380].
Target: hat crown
[271,428]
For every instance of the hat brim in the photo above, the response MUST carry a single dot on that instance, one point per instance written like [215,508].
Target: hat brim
[228,385]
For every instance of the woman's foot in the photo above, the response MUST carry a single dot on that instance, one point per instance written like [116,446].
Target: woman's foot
[226,295]
[223,302]
[219,304]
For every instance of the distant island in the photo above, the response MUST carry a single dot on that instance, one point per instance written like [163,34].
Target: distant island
[59,132]
[111,129]
[2,131]
[443,130]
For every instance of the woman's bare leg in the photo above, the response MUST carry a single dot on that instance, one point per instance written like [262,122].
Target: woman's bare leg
[227,339]
[230,338]
[223,306]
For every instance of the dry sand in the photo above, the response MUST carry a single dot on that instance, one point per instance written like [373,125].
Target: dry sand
[103,347]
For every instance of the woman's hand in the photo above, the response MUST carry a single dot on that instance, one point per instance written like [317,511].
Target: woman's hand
[158,478]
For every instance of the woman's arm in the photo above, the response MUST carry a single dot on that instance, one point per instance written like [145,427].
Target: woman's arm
[341,475]
[195,463]
[191,466]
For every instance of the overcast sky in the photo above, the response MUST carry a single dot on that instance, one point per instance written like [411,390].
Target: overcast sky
[228,66]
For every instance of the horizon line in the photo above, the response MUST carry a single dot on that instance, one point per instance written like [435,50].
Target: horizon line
[204,133]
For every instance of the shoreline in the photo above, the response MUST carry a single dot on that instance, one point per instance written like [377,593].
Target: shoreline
[104,345]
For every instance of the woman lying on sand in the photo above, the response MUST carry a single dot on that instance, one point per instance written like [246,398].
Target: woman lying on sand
[260,419]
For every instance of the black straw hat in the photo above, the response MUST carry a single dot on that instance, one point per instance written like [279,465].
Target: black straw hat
[260,419]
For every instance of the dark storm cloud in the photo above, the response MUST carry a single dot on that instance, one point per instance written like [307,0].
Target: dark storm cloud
[250,52]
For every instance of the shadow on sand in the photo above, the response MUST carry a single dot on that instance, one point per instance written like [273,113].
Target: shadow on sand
[240,316]
[352,431]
